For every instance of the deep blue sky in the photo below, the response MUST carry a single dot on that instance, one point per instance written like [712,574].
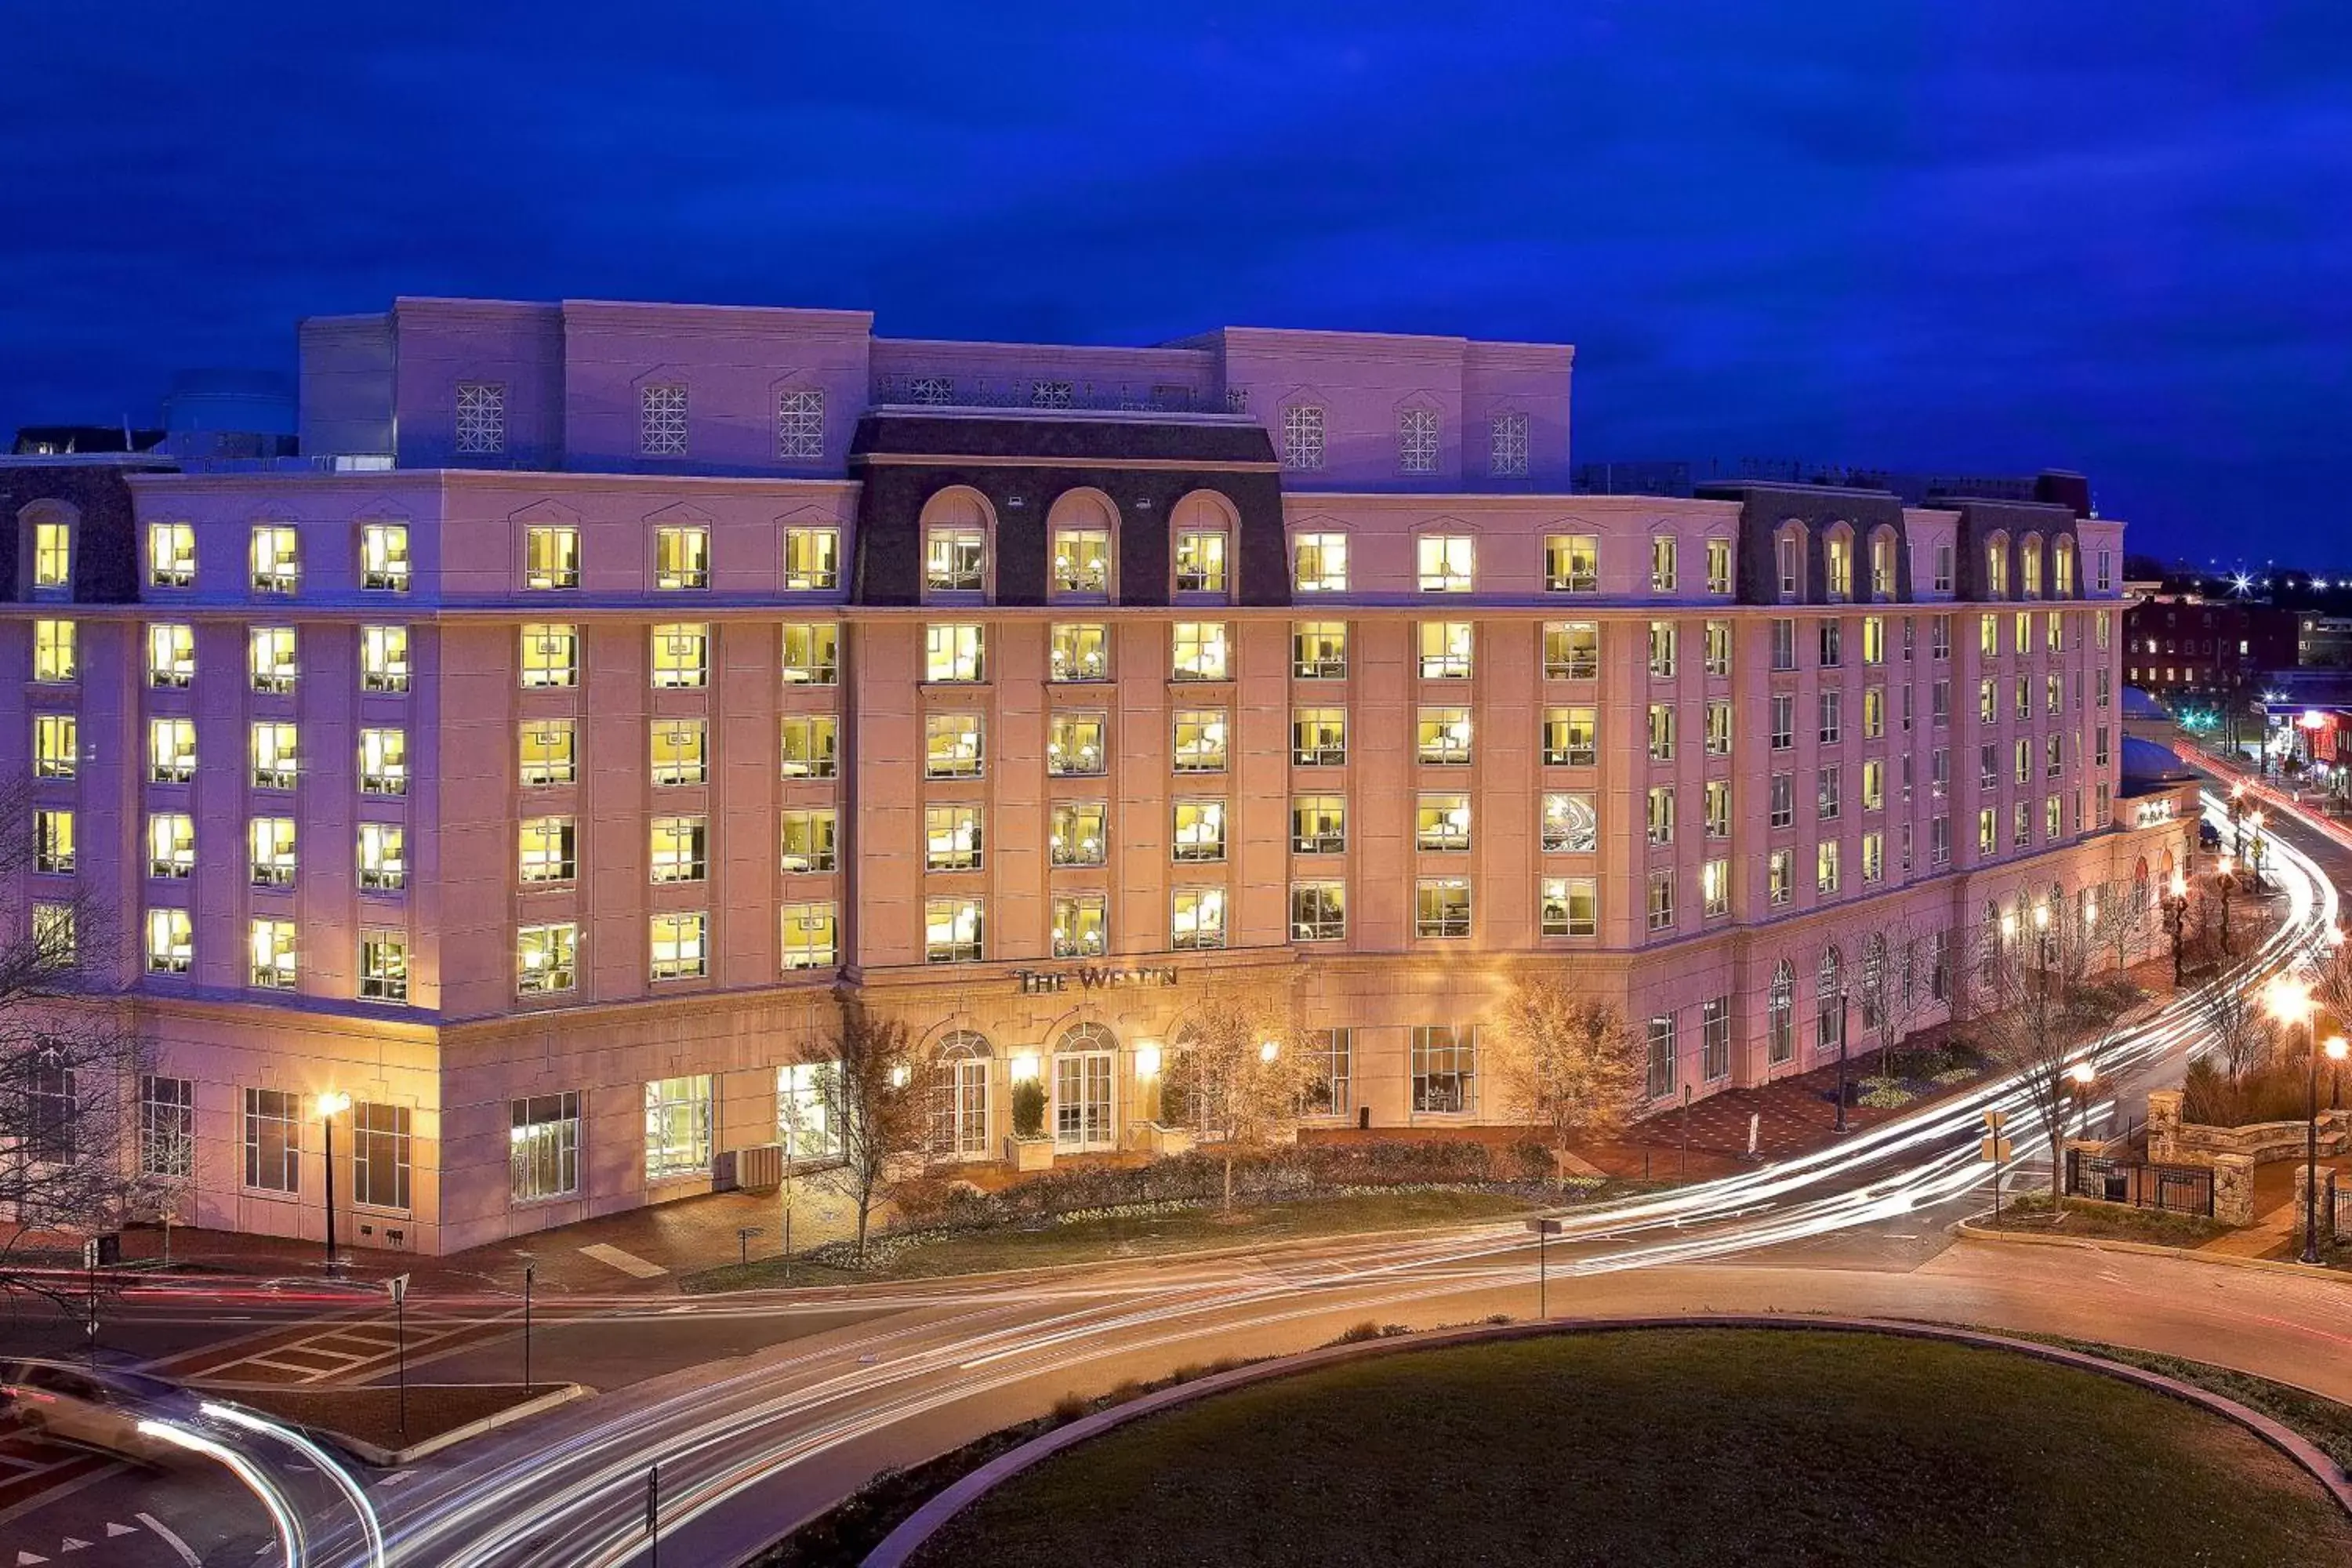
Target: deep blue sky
[2112,235]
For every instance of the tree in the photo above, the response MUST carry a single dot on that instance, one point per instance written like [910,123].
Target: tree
[2236,1027]
[2041,1007]
[2127,920]
[71,1062]
[1895,988]
[1566,1061]
[1238,1072]
[874,1102]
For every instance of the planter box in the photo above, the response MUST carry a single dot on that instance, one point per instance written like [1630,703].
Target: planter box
[1153,1139]
[1029,1154]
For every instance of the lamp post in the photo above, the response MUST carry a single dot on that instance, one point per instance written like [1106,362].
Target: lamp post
[2237,809]
[332,1104]
[2176,908]
[2082,1075]
[2288,1002]
[2225,873]
[1840,1127]
[2254,862]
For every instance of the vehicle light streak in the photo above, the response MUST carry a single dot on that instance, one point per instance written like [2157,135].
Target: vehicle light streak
[318,1455]
[273,1501]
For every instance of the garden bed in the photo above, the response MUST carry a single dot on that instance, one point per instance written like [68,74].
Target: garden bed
[2086,1220]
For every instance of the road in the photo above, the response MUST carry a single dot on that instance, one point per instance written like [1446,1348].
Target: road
[764,1409]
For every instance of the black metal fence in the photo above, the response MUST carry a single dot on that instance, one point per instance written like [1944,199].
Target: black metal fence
[2340,1205]
[2176,1189]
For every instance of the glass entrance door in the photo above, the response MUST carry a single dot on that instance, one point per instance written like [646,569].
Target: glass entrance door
[960,1108]
[1082,1100]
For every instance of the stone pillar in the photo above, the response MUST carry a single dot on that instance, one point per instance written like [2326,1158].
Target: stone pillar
[2303,1187]
[2163,1126]
[2233,1189]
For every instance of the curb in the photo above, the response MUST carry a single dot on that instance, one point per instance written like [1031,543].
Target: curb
[1970,1230]
[392,1458]
[901,1543]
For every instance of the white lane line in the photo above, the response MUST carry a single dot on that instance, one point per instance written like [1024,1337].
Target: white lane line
[187,1553]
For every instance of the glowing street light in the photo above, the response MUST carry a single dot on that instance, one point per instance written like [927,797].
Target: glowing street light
[332,1104]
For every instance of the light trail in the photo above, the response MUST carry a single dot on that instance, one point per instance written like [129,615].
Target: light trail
[273,1501]
[325,1462]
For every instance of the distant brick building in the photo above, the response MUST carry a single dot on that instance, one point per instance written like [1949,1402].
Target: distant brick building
[2177,646]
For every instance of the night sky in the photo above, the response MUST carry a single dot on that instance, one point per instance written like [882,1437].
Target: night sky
[2109,234]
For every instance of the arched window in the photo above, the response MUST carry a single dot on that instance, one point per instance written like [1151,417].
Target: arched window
[1084,1059]
[2062,567]
[2029,567]
[1873,980]
[1837,563]
[1996,567]
[960,1096]
[1789,554]
[959,527]
[1202,542]
[1083,532]
[1882,565]
[1780,1017]
[2143,891]
[1828,1005]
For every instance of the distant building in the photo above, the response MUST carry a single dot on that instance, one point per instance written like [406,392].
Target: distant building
[2324,642]
[2181,646]
[81,440]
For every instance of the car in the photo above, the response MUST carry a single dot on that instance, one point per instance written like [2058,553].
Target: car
[2208,836]
[95,1406]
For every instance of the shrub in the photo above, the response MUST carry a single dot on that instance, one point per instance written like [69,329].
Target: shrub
[1357,1333]
[2276,1092]
[1533,1161]
[1029,1109]
[1071,1406]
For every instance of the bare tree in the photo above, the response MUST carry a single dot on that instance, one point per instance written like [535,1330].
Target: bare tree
[2041,1007]
[1238,1074]
[1895,987]
[71,1062]
[2237,1027]
[2126,921]
[1566,1061]
[874,1095]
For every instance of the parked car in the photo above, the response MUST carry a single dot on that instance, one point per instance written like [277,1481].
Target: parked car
[96,1407]
[2208,836]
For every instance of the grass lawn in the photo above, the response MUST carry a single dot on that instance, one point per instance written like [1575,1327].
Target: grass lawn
[2090,1221]
[1765,1448]
[1116,1236]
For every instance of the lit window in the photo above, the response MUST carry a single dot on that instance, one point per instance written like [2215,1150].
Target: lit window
[1874,640]
[1444,1070]
[481,417]
[550,655]
[1319,564]
[276,759]
[811,559]
[1569,737]
[679,946]
[171,750]
[661,421]
[1718,729]
[811,935]
[1318,650]
[679,1115]
[55,944]
[1417,443]
[1200,560]
[550,557]
[384,761]
[1664,640]
[1837,564]
[681,558]
[270,844]
[1318,737]
[53,842]
[1078,832]
[953,653]
[1662,574]
[1717,803]
[1302,438]
[170,654]
[1318,825]
[1997,569]
[170,555]
[1318,911]
[952,746]
[681,656]
[1825,867]
[1659,907]
[680,751]
[170,844]
[1074,745]
[1718,566]
[384,557]
[1199,830]
[274,964]
[1660,815]
[1882,566]
[1442,907]
[1717,648]
[276,559]
[1199,740]
[1442,822]
[1196,918]
[272,658]
[544,749]
[56,751]
[1448,563]
[53,658]
[1445,650]
[955,559]
[1506,446]
[2029,568]
[800,425]
[1571,906]
[1198,651]
[811,653]
[52,557]
[1078,651]
[1715,889]
[547,960]
[171,942]
[544,852]
[954,930]
[1780,876]
[1662,731]
[678,852]
[1573,563]
[810,839]
[1873,713]
[1081,561]
[810,747]
[951,838]
[1572,650]
[1080,925]
[1443,736]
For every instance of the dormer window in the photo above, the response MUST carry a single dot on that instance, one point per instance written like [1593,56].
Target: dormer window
[1200,560]
[1789,551]
[955,559]
[1837,565]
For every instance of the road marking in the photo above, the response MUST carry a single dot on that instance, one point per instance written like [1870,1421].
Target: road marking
[187,1553]
[24,1559]
[72,1543]
[113,1529]
[394,1478]
[628,1263]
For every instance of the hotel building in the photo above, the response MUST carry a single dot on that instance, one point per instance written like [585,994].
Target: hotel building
[611,687]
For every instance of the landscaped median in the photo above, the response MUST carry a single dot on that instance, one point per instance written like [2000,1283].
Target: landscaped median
[1763,1442]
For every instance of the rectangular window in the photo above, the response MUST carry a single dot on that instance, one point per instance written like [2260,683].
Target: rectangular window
[1570,736]
[383,966]
[1833,645]
[1874,640]
[1330,1072]
[1506,446]
[53,842]
[680,751]
[171,559]
[1444,1070]
[954,930]
[1660,814]
[680,946]
[1302,436]
[1196,918]
[680,1122]
[1784,644]
[681,656]
[545,751]
[1442,907]
[1662,1058]
[1943,569]
[1573,563]
[1198,651]
[1318,737]
[811,653]
[678,851]
[550,655]
[1718,808]
[951,838]
[170,654]
[1318,650]
[1873,784]
[1081,562]
[1448,563]
[810,840]
[1078,652]
[1443,736]
[1826,866]
[1081,925]
[1719,648]
[544,850]
[810,935]
[2021,825]
[384,761]
[273,1140]
[1873,713]
[1078,832]
[272,664]
[1445,650]
[1718,729]
[1199,740]
[384,557]
[1442,822]
[1198,830]
[1417,441]
[1718,566]
[379,1155]
[547,959]
[661,421]
[543,1146]
[383,660]
[171,942]
[1318,825]
[1201,561]
[955,559]
[276,559]
[1572,650]
[1784,721]
[167,1126]
[481,427]
[1827,793]
[54,660]
[276,756]
[1780,876]
[1662,731]
[1939,841]
[681,557]
[1715,889]
[1832,711]
[550,557]
[811,559]
[170,844]
[1075,745]
[800,425]
[1571,906]
[1783,800]
[1873,858]
[171,750]
[1569,823]
[1662,563]
[1661,903]
[1318,911]
[952,746]
[384,856]
[1319,563]
[1661,648]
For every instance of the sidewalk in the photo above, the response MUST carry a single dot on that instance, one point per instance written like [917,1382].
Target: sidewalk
[2277,1230]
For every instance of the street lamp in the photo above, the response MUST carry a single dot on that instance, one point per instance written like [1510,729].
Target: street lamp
[2225,871]
[2254,864]
[332,1104]
[2237,809]
[2176,910]
[1840,1127]
[2288,1000]
[2083,1076]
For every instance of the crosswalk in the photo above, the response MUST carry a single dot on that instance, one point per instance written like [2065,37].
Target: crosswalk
[352,1351]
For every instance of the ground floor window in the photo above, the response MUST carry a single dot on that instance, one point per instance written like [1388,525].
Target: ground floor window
[960,1096]
[1660,1075]
[380,1155]
[805,1095]
[677,1126]
[1714,1038]
[1330,1073]
[1082,1101]
[167,1126]
[1444,1070]
[545,1137]
[273,1140]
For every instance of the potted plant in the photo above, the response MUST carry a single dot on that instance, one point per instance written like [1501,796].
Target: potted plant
[1029,1149]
